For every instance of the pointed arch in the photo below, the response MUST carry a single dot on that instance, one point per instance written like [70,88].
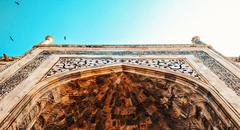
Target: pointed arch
[30,110]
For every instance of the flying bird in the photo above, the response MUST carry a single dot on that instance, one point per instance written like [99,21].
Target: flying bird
[17,3]
[11,38]
[65,38]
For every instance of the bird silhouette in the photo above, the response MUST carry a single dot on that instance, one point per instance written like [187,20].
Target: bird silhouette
[11,38]
[65,38]
[17,3]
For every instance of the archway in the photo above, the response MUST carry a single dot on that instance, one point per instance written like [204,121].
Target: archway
[121,97]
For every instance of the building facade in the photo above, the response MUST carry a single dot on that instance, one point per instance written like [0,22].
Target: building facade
[167,86]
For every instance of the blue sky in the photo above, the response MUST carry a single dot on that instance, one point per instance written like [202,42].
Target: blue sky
[119,22]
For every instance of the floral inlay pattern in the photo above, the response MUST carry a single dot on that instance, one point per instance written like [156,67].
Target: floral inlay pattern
[72,63]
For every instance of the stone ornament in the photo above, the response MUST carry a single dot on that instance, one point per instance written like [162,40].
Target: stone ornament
[66,64]
[231,80]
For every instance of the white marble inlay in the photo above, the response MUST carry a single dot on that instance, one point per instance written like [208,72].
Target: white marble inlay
[66,64]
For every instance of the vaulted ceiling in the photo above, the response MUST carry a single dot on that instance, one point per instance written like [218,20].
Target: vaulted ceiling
[126,101]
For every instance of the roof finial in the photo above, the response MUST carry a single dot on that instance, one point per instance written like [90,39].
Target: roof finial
[196,40]
[5,57]
[238,58]
[48,40]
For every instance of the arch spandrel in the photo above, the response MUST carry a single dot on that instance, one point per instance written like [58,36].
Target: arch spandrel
[150,98]
[180,65]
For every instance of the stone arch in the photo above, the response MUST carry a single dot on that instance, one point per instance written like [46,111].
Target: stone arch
[156,99]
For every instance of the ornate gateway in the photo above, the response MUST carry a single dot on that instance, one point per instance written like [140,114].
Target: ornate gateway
[182,86]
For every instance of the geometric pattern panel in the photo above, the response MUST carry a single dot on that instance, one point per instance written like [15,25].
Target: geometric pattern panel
[66,64]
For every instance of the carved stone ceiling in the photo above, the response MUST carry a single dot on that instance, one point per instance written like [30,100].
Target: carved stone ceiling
[127,101]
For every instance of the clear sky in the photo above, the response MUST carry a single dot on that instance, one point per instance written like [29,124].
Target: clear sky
[217,22]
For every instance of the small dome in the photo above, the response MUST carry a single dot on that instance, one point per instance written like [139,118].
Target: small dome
[49,38]
[195,39]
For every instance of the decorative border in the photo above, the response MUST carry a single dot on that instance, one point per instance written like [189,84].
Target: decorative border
[23,73]
[7,65]
[231,80]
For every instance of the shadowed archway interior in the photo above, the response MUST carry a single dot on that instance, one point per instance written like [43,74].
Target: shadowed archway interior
[125,100]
